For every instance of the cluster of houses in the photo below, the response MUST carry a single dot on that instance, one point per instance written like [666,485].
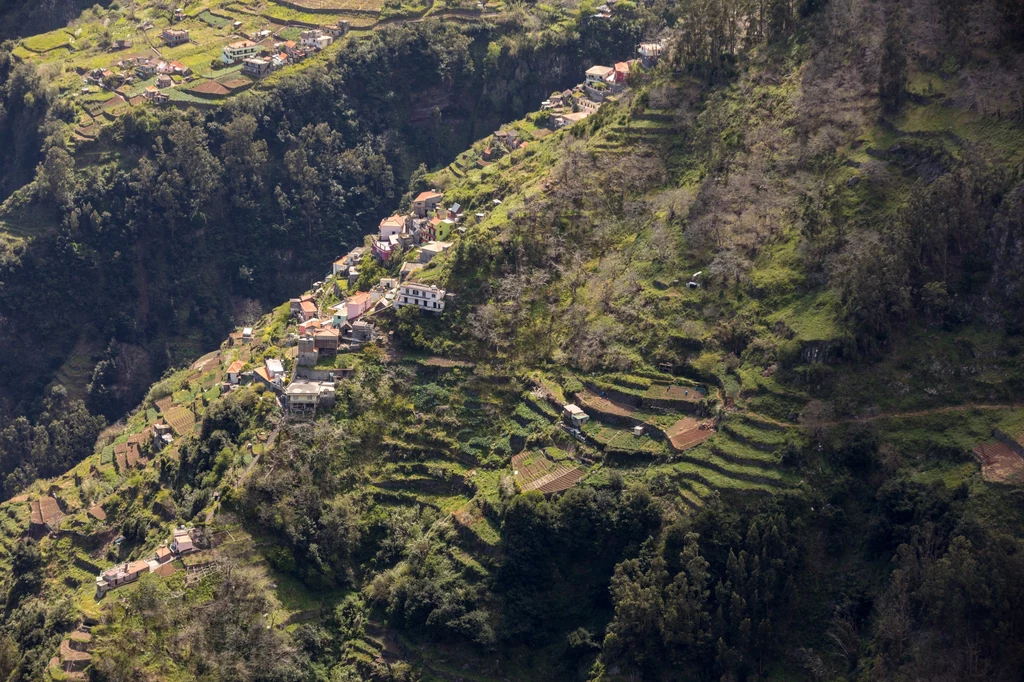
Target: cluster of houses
[600,83]
[429,225]
[258,61]
[182,542]
[139,67]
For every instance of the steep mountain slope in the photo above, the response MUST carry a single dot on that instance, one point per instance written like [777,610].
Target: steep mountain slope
[252,200]
[852,201]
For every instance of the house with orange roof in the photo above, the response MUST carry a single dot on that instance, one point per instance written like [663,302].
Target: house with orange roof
[425,203]
[235,371]
[357,305]
[392,225]
[622,70]
[326,341]
[307,310]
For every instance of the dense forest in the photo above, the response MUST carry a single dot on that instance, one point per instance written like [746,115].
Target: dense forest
[845,181]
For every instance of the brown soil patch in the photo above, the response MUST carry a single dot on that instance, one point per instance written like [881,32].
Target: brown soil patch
[688,432]
[165,404]
[165,570]
[999,463]
[600,404]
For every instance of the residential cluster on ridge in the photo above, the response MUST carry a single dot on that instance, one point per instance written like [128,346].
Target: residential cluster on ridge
[258,54]
[601,84]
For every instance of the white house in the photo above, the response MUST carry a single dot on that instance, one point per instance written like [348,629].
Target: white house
[235,52]
[600,74]
[575,415]
[274,368]
[392,225]
[309,37]
[181,543]
[425,297]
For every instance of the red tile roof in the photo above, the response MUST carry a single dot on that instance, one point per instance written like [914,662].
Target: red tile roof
[139,566]
[236,366]
[423,196]
[307,307]
[361,298]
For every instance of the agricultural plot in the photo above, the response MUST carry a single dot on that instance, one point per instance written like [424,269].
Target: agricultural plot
[1001,461]
[623,440]
[537,471]
[212,20]
[47,41]
[180,419]
[724,463]
[340,6]
[687,433]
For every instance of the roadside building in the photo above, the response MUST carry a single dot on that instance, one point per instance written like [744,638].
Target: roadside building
[425,297]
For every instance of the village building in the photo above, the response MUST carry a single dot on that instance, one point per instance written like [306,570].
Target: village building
[174,36]
[599,75]
[145,69]
[162,436]
[181,542]
[307,396]
[256,67]
[425,297]
[153,94]
[381,250]
[307,310]
[564,120]
[438,229]
[164,81]
[431,249]
[275,369]
[392,225]
[622,70]
[650,53]
[326,341]
[295,304]
[342,265]
[508,138]
[119,575]
[307,352]
[575,416]
[357,304]
[235,372]
[311,38]
[338,30]
[425,203]
[237,51]
[362,332]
